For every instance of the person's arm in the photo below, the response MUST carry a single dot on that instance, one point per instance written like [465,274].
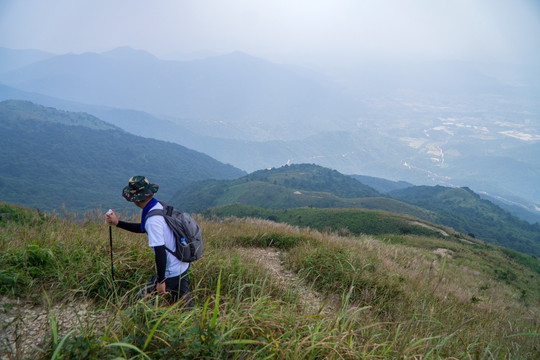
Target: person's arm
[133,227]
[161,262]
[111,218]
[161,265]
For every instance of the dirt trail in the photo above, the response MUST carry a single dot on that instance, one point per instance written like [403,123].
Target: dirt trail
[442,232]
[310,299]
[23,325]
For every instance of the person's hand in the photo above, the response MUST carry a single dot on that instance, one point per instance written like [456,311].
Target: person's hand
[160,288]
[111,218]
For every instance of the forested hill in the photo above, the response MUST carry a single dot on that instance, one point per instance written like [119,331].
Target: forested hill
[314,178]
[49,158]
[278,188]
[19,110]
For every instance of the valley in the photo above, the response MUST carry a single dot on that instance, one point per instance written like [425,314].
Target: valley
[448,123]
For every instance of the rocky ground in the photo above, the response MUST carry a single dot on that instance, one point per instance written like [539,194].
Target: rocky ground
[24,325]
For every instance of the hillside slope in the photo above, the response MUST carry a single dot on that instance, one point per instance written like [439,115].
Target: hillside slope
[351,221]
[466,211]
[278,188]
[263,290]
[52,158]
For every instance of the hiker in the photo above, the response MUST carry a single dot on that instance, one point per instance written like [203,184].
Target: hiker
[171,273]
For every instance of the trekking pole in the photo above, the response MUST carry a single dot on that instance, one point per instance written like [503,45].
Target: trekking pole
[111,247]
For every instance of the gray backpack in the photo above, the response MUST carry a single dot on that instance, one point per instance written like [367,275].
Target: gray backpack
[187,233]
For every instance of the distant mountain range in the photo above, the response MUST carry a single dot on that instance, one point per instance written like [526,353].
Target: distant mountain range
[51,158]
[229,95]
[447,123]
[16,59]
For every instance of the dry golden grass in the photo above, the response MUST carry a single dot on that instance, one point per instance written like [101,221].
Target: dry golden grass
[372,299]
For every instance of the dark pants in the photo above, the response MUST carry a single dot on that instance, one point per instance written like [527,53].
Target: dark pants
[177,287]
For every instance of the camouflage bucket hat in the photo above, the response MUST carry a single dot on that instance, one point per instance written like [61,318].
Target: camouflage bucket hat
[139,189]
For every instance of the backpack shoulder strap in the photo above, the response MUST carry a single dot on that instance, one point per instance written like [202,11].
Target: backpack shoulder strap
[155,212]
[167,210]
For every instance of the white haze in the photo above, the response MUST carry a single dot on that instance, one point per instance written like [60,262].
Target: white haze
[308,32]
[409,112]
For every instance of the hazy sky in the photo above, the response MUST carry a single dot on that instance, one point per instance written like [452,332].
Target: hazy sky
[294,31]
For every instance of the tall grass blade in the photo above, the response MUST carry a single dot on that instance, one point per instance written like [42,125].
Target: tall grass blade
[59,347]
[129,346]
[216,306]
[154,328]
[203,314]
[54,327]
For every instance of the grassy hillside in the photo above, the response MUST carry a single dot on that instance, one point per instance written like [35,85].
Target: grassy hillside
[205,194]
[279,188]
[263,290]
[465,211]
[50,158]
[288,187]
[344,221]
[358,222]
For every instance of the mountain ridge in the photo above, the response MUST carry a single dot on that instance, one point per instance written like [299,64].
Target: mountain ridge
[49,165]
